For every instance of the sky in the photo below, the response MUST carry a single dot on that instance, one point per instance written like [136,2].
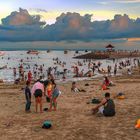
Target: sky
[62,20]
[50,9]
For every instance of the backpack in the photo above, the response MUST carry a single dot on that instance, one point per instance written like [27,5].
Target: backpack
[95,101]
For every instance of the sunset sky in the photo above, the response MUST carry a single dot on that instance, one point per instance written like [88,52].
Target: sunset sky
[50,9]
[61,20]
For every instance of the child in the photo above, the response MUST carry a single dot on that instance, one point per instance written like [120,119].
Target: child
[28,97]
[49,89]
[55,94]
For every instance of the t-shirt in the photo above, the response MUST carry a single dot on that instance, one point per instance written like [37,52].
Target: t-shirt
[36,86]
[109,108]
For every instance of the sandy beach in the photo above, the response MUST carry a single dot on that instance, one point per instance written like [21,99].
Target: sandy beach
[73,119]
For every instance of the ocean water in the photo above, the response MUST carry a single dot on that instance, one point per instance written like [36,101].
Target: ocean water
[12,59]
[15,51]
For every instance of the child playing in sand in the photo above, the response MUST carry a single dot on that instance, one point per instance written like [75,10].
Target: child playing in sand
[28,96]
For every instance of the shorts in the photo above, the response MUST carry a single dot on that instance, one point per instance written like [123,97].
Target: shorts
[38,93]
[101,110]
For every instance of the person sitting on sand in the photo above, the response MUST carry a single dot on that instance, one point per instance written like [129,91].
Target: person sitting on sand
[38,91]
[74,87]
[106,107]
[107,82]
[28,96]
[53,99]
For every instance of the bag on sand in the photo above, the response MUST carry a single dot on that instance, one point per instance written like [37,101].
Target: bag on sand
[95,101]
[47,125]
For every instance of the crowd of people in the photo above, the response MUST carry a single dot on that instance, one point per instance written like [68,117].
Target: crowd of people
[49,90]
[42,89]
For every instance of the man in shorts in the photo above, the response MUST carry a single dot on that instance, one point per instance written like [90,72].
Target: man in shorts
[106,107]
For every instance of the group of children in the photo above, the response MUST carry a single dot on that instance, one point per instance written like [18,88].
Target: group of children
[41,89]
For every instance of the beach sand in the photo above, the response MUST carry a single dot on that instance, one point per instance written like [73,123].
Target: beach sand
[73,119]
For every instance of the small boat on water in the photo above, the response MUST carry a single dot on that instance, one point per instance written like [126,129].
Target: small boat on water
[32,52]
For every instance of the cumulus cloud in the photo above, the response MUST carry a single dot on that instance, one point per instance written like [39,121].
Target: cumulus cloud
[74,26]
[22,18]
[21,26]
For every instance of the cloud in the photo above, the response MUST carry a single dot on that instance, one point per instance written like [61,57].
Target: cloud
[73,26]
[21,26]
[22,18]
[103,2]
[38,10]
[127,1]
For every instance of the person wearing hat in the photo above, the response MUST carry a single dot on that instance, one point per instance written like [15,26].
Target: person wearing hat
[106,107]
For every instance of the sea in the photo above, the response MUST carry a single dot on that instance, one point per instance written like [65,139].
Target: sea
[15,51]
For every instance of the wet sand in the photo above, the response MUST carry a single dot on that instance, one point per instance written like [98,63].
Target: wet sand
[73,119]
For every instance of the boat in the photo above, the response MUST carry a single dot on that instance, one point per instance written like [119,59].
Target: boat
[32,52]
